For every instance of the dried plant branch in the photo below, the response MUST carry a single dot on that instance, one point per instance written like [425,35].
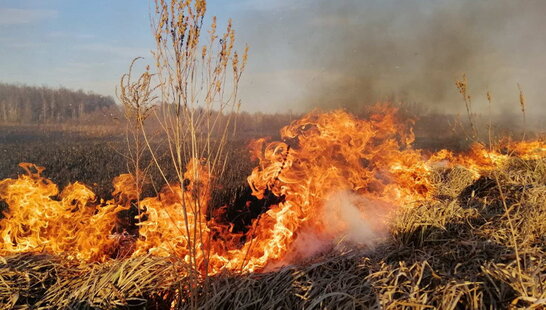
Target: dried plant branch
[195,84]
[138,101]
[462,86]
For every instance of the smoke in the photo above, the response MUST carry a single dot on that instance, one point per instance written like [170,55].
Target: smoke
[330,54]
[352,219]
[345,221]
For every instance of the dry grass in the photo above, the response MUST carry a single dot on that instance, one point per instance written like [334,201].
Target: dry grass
[452,252]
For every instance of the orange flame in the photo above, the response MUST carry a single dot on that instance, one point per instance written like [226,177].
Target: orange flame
[41,219]
[337,178]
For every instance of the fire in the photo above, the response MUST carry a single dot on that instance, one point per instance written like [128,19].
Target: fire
[336,178]
[167,226]
[71,223]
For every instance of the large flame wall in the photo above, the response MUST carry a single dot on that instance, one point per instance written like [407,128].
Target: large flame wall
[339,177]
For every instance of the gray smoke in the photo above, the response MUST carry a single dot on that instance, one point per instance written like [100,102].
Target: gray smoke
[323,53]
[346,220]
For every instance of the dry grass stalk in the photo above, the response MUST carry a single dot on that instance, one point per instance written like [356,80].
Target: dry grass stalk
[462,86]
[196,81]
[138,99]
[522,102]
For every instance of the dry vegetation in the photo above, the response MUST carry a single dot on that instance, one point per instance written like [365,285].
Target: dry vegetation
[478,244]
[455,251]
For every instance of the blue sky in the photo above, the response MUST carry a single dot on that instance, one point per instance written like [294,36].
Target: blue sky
[86,44]
[76,44]
[303,53]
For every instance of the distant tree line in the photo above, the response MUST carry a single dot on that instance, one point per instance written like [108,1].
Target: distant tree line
[29,104]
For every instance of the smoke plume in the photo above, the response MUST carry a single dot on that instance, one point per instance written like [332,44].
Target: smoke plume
[346,221]
[329,54]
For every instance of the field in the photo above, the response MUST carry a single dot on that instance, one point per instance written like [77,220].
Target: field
[89,157]
[177,198]
[475,244]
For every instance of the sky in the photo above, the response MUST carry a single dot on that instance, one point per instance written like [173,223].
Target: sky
[303,53]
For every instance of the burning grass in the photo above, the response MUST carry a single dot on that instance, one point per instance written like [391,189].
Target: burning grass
[341,212]
[463,230]
[449,252]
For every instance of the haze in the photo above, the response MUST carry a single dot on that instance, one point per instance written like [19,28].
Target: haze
[303,54]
